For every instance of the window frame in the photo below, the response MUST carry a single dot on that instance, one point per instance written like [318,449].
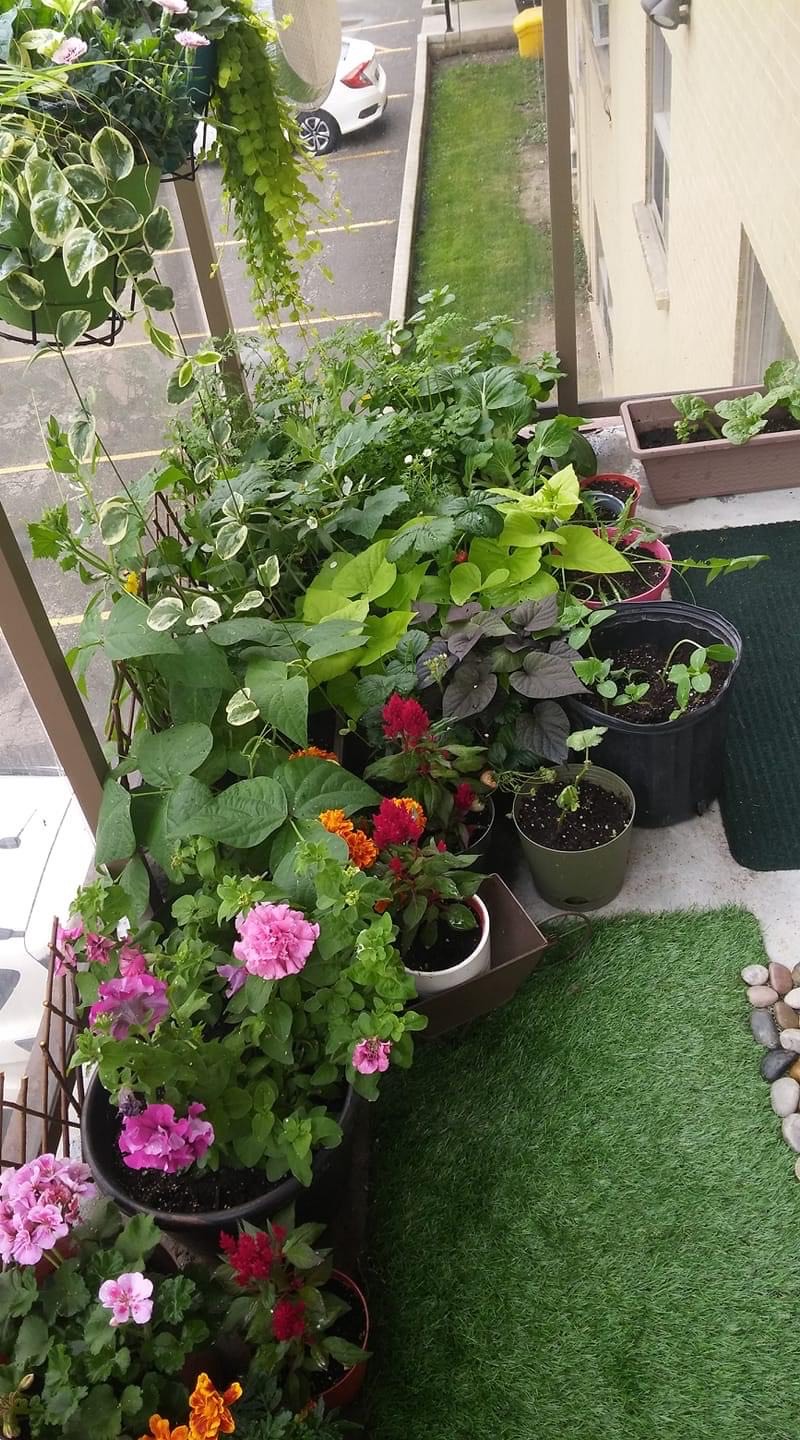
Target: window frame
[601,32]
[603,297]
[762,335]
[659,118]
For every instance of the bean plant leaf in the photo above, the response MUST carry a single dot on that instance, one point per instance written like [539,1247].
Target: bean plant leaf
[313,785]
[281,698]
[115,837]
[241,816]
[165,757]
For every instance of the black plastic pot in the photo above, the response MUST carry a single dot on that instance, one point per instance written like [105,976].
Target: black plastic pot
[329,1167]
[675,768]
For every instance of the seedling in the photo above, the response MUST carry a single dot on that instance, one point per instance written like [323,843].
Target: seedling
[694,677]
[605,680]
[569,799]
[696,414]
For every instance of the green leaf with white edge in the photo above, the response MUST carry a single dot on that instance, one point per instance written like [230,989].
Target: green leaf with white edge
[11,262]
[465,580]
[159,231]
[82,252]
[204,611]
[207,357]
[53,216]
[43,177]
[164,343]
[576,547]
[165,613]
[135,882]
[136,262]
[312,785]
[241,816]
[82,441]
[86,183]
[168,755]
[251,601]
[269,572]
[112,154]
[155,296]
[118,216]
[368,575]
[281,699]
[241,708]
[230,539]
[115,837]
[114,517]
[28,293]
[71,325]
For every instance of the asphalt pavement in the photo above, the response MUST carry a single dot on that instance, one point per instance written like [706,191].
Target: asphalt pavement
[129,378]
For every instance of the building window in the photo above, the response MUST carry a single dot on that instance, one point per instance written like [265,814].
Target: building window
[598,17]
[659,128]
[602,291]
[762,337]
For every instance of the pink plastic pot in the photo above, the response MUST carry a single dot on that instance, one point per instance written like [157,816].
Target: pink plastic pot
[347,1388]
[595,482]
[659,551]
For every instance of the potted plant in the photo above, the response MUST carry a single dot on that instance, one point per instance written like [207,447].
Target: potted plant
[303,1321]
[606,496]
[96,1330]
[262,1415]
[575,826]
[650,563]
[661,677]
[694,445]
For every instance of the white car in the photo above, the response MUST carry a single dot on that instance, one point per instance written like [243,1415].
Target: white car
[357,98]
[46,851]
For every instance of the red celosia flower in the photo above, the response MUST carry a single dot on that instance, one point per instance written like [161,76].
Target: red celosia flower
[397,867]
[251,1257]
[404,720]
[463,797]
[288,1319]
[398,822]
[441,845]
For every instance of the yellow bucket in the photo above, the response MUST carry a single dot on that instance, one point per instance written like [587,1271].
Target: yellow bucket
[529,30]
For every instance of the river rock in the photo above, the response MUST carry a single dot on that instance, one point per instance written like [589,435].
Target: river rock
[776,1063]
[785,1017]
[765,1031]
[797,1167]
[794,1070]
[780,978]
[790,1040]
[762,995]
[796,974]
[791,1131]
[784,1096]
[793,998]
[755,974]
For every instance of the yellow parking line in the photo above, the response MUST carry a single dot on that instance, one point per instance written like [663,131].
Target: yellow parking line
[204,335]
[383,25]
[322,230]
[401,95]
[66,620]
[32,467]
[393,49]
[362,155]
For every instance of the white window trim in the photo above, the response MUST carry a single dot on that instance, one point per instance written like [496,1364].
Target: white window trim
[600,30]
[659,128]
[753,350]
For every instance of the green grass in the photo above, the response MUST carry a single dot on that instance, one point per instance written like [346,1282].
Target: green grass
[584,1219]
[472,233]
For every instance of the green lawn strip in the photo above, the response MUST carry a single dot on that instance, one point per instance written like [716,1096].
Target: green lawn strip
[472,234]
[584,1218]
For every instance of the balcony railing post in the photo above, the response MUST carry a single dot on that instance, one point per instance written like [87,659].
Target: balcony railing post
[559,156]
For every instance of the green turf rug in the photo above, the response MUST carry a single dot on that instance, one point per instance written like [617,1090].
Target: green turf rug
[760,801]
[584,1219]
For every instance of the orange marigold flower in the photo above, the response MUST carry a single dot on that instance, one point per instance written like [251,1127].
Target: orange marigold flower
[211,1416]
[414,809]
[160,1430]
[315,753]
[363,851]
[337,823]
[381,906]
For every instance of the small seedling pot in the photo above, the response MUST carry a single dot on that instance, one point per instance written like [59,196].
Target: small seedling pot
[659,551]
[348,1386]
[578,880]
[432,982]
[600,485]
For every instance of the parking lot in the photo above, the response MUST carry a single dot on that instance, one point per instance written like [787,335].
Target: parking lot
[129,379]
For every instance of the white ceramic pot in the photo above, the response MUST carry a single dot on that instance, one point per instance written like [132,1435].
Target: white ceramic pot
[432,982]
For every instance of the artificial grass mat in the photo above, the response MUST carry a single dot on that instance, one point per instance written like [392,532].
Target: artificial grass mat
[583,1216]
[760,801]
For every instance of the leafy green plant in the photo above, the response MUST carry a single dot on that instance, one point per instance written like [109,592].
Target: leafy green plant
[695,414]
[693,676]
[261,1415]
[744,416]
[427,888]
[568,800]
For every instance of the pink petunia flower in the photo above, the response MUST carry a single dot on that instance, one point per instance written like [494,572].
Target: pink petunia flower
[69,51]
[98,949]
[275,941]
[131,961]
[138,999]
[66,935]
[128,1298]
[372,1055]
[156,1140]
[191,39]
[235,976]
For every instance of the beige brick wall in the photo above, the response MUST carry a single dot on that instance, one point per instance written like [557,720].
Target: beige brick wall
[735,163]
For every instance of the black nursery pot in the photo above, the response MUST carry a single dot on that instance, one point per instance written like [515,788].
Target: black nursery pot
[317,1201]
[674,768]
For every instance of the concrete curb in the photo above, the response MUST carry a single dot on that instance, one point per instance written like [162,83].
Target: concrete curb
[429,47]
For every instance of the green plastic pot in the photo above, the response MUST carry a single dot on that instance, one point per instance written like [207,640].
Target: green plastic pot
[141,188]
[578,880]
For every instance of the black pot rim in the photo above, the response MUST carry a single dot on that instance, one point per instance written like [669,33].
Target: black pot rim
[666,610]
[282,1192]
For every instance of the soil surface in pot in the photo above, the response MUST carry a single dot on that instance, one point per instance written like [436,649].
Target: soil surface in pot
[647,574]
[601,817]
[350,1326]
[609,487]
[186,1194]
[451,947]
[648,661]
[662,435]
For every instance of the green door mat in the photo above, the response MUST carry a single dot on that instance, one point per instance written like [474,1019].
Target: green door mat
[761,794]
[583,1216]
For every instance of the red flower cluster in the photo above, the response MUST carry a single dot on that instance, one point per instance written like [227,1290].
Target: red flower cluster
[288,1319]
[398,822]
[251,1257]
[404,720]
[463,797]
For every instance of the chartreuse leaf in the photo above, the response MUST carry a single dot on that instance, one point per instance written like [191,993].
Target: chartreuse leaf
[465,580]
[368,575]
[383,633]
[576,547]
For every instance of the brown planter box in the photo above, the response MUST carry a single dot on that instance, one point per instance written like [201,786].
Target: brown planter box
[517,947]
[715,467]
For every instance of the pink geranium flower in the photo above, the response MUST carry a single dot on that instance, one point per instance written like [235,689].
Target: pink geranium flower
[138,999]
[39,1204]
[66,935]
[128,1298]
[371,1055]
[69,51]
[191,39]
[156,1140]
[275,941]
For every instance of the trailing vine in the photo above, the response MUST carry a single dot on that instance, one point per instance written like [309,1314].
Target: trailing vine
[265,166]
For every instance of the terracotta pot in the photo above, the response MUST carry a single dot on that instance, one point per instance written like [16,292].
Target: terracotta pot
[345,1390]
[431,982]
[659,551]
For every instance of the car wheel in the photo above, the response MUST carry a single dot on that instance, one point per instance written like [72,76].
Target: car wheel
[319,132]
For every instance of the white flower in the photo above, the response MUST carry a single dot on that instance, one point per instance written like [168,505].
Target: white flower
[408,459]
[387,410]
[347,485]
[174,7]
[191,39]
[396,349]
[69,51]
[427,452]
[312,522]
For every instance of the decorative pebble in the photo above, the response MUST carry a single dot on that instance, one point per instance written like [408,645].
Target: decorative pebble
[797,1167]
[755,974]
[765,1031]
[791,1131]
[796,974]
[784,1096]
[775,1063]
[785,1016]
[794,1070]
[763,995]
[790,1040]
[780,978]
[793,998]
